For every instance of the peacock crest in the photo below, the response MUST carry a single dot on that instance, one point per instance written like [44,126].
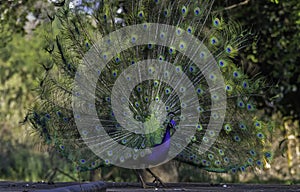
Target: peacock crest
[138,83]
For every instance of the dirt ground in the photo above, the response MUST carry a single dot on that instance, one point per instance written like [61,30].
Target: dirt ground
[136,187]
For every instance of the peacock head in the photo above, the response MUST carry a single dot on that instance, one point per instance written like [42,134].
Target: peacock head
[171,122]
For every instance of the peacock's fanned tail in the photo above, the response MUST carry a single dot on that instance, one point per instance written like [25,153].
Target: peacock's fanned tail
[242,139]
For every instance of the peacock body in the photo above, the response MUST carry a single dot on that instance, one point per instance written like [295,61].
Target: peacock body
[138,83]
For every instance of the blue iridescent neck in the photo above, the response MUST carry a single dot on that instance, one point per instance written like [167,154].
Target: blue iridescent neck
[167,135]
[160,152]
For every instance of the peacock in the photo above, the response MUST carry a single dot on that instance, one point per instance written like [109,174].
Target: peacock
[138,83]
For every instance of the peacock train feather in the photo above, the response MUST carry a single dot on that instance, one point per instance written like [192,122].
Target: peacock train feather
[195,105]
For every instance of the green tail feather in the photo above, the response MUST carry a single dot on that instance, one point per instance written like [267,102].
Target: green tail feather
[241,143]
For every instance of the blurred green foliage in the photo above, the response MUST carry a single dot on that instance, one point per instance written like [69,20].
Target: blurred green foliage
[275,54]
[19,71]
[20,56]
[13,17]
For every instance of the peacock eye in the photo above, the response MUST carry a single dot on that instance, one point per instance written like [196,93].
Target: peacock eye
[268,155]
[172,50]
[82,161]
[221,63]
[182,89]
[235,74]
[192,69]
[249,106]
[226,159]
[141,14]
[189,30]
[184,11]
[161,58]
[228,49]
[237,138]
[233,170]
[258,162]
[197,11]
[199,127]
[133,39]
[48,116]
[216,22]
[202,55]
[166,13]
[182,46]
[260,135]
[178,31]
[199,90]
[214,41]
[211,133]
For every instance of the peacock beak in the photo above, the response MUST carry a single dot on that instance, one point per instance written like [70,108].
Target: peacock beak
[172,122]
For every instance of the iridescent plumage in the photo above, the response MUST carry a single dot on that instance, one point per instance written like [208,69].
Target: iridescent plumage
[238,145]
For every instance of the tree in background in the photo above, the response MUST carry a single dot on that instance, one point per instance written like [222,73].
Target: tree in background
[276,56]
[22,42]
